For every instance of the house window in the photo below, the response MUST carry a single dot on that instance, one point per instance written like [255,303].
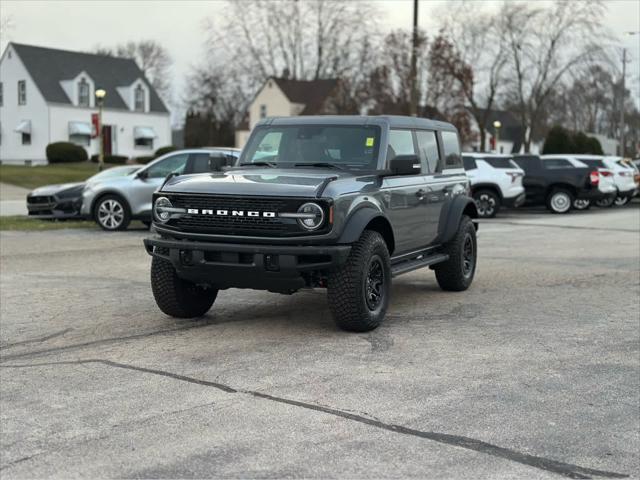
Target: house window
[263,111]
[144,143]
[26,139]
[83,140]
[139,99]
[22,92]
[83,93]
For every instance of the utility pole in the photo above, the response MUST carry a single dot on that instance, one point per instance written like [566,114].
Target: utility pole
[624,72]
[622,92]
[413,107]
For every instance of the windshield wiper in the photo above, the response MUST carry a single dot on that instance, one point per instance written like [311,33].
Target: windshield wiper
[319,165]
[258,164]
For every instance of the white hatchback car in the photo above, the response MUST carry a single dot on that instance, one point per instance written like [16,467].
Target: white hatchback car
[611,172]
[624,178]
[496,180]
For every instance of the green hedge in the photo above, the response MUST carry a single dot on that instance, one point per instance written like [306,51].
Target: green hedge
[162,150]
[561,140]
[112,159]
[65,152]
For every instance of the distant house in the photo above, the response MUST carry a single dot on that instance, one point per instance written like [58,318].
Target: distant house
[48,95]
[286,97]
[509,139]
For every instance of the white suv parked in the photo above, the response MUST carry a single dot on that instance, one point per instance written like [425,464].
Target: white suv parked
[624,178]
[495,180]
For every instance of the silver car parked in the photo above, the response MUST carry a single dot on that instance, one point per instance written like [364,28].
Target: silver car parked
[113,203]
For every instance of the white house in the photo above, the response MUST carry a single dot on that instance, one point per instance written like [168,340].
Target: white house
[286,97]
[48,95]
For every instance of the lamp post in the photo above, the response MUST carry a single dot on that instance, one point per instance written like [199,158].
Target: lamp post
[100,94]
[497,124]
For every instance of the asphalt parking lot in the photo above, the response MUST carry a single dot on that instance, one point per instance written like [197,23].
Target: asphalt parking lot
[532,373]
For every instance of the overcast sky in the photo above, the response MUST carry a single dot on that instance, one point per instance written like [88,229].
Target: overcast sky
[80,25]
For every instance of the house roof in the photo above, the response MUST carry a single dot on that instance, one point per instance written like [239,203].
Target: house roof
[48,67]
[311,93]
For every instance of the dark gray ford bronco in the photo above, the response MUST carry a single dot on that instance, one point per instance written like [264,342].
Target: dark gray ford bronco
[337,202]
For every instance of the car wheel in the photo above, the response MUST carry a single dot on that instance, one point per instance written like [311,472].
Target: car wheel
[487,203]
[177,297]
[581,204]
[606,202]
[111,213]
[621,201]
[359,291]
[560,200]
[456,274]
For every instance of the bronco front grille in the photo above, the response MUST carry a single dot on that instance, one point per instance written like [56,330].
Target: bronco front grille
[236,225]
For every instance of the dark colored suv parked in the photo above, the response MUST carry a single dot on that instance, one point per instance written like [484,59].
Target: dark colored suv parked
[342,203]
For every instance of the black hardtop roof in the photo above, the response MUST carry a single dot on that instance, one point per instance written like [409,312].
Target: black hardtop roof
[392,121]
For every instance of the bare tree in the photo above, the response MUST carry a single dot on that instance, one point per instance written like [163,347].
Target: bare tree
[544,44]
[470,52]
[152,58]
[304,40]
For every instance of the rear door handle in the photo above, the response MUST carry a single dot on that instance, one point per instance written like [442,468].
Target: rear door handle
[420,194]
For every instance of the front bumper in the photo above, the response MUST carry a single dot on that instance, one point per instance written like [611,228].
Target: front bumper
[54,208]
[278,268]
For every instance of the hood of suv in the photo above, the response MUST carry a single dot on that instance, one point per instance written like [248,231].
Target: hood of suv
[293,182]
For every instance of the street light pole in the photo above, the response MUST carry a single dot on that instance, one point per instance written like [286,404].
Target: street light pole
[496,125]
[100,94]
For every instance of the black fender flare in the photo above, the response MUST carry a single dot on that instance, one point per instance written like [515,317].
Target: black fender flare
[451,214]
[357,222]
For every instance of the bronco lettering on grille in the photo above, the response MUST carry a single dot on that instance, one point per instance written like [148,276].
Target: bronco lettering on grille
[230,213]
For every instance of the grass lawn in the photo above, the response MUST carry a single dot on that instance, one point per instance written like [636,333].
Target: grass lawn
[19,222]
[32,177]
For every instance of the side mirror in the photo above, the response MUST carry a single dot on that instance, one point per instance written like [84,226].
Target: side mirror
[405,165]
[142,174]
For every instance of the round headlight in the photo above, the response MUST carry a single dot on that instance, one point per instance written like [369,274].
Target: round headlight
[159,209]
[313,216]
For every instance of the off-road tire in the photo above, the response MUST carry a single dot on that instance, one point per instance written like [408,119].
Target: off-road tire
[487,203]
[348,285]
[177,297]
[126,212]
[560,200]
[454,274]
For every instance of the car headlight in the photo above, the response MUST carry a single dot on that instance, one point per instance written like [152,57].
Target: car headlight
[311,216]
[162,209]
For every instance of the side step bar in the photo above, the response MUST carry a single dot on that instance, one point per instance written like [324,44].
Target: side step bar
[416,263]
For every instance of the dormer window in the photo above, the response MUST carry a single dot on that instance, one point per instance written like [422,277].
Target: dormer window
[139,99]
[84,94]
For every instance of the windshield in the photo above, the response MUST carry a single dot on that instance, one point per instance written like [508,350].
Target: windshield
[352,147]
[113,172]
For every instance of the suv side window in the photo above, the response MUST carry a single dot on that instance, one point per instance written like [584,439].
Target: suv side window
[469,163]
[400,143]
[175,163]
[428,150]
[556,163]
[451,147]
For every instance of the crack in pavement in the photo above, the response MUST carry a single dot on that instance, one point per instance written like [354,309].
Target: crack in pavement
[36,340]
[542,463]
